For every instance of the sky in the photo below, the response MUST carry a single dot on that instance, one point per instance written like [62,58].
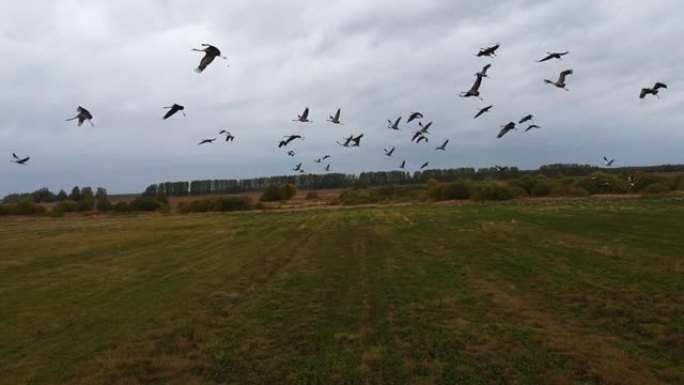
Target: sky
[375,59]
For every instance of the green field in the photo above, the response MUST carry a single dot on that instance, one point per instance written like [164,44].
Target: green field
[586,292]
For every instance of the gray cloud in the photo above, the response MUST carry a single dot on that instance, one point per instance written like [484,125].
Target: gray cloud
[376,60]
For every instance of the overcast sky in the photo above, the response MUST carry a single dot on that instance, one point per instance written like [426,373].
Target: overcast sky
[380,59]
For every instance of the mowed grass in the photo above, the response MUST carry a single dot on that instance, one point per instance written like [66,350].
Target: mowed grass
[515,293]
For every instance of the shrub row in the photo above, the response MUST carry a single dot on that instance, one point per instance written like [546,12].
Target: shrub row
[240,203]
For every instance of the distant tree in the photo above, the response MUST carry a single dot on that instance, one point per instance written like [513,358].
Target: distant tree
[87,202]
[150,191]
[75,194]
[102,202]
[62,196]
[43,195]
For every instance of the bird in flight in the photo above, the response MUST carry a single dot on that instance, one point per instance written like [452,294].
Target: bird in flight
[553,55]
[346,141]
[210,53]
[531,126]
[475,89]
[172,110]
[82,116]
[421,137]
[204,141]
[482,111]
[414,116]
[304,117]
[560,83]
[229,136]
[291,153]
[335,118]
[505,128]
[327,168]
[19,160]
[357,141]
[395,125]
[290,138]
[298,168]
[489,51]
[325,157]
[653,91]
[421,132]
[526,118]
[424,165]
[483,72]
[389,152]
[607,162]
[443,146]
[403,163]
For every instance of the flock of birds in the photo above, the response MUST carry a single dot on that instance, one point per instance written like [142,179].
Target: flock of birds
[421,134]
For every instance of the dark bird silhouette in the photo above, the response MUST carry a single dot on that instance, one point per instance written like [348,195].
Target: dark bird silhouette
[291,153]
[335,118]
[357,141]
[607,162]
[422,131]
[210,53]
[326,157]
[206,141]
[346,141]
[327,168]
[531,126]
[489,51]
[482,111]
[653,91]
[505,128]
[421,137]
[483,71]
[553,55]
[229,136]
[414,116]
[475,89]
[525,118]
[443,146]
[395,125]
[172,110]
[317,160]
[19,160]
[298,168]
[424,165]
[290,138]
[560,83]
[390,152]
[500,168]
[403,163]
[304,117]
[82,116]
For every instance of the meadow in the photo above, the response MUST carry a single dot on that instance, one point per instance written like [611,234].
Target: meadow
[568,291]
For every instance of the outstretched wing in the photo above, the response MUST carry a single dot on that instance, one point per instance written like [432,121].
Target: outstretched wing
[659,85]
[548,57]
[644,92]
[561,78]
[305,115]
[170,112]
[206,60]
[476,85]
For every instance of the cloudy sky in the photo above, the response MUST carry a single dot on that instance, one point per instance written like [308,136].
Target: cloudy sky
[379,59]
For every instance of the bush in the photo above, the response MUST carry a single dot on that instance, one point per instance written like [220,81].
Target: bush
[542,189]
[655,188]
[122,207]
[577,192]
[492,192]
[60,208]
[4,210]
[26,207]
[311,195]
[452,191]
[359,195]
[216,204]
[145,203]
[274,193]
[103,204]
[602,183]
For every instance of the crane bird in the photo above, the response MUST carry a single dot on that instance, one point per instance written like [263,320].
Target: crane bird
[357,141]
[403,163]
[422,131]
[395,125]
[346,141]
[335,118]
[653,91]
[210,53]
[298,168]
[327,167]
[318,160]
[304,117]
[326,157]
[172,110]
[531,126]
[421,137]
[525,118]
[229,136]
[82,116]
[203,141]
[424,165]
[443,146]
[489,51]
[389,152]
[553,55]
[475,89]
[560,83]
[483,71]
[291,153]
[482,111]
[413,116]
[19,160]
[500,168]
[505,128]
[607,162]
[290,138]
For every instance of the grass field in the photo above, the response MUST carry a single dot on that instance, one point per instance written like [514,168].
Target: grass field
[562,292]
